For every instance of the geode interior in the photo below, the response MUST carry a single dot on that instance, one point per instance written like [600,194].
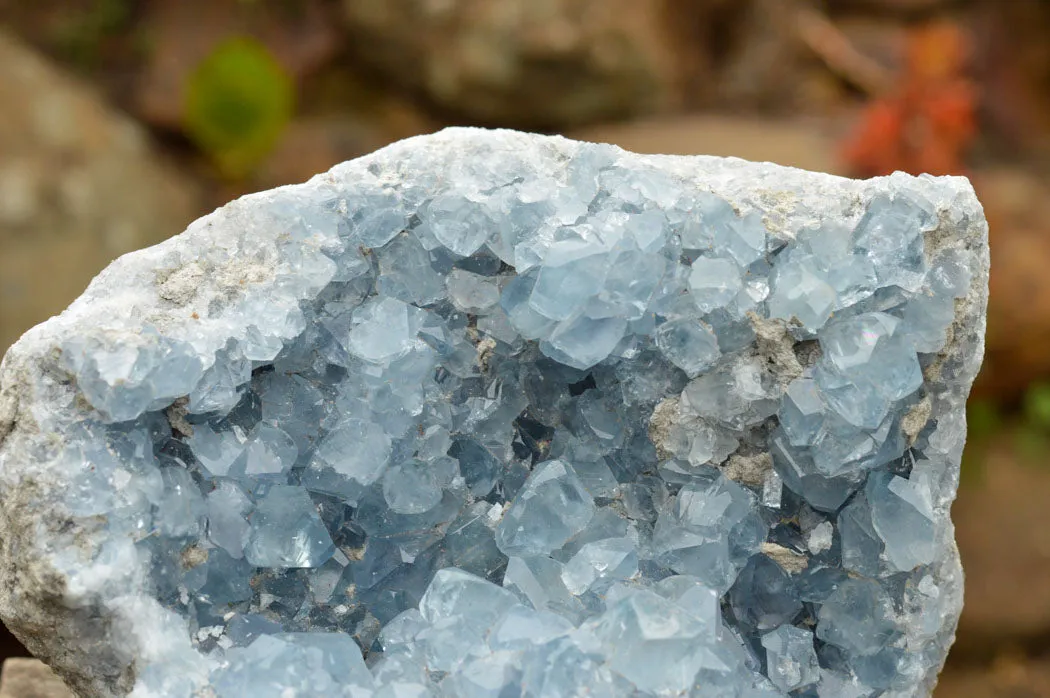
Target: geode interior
[488,414]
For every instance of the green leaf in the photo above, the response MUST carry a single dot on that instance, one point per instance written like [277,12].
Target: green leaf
[238,101]
[983,420]
[1031,444]
[1037,405]
[972,468]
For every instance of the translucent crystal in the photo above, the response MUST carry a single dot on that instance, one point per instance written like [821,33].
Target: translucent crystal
[689,344]
[405,272]
[414,486]
[791,658]
[802,412]
[866,365]
[515,302]
[355,449]
[228,508]
[743,237]
[180,507]
[286,531]
[384,329]
[479,467]
[800,290]
[244,628]
[576,272]
[292,403]
[308,664]
[489,415]
[551,508]
[655,644]
[600,563]
[269,452]
[523,627]
[581,342]
[902,515]
[709,531]
[461,610]
[472,293]
[714,283]
[216,451]
[454,593]
[629,285]
[890,234]
[472,543]
[692,595]
[738,395]
[764,595]
[457,223]
[819,539]
[857,617]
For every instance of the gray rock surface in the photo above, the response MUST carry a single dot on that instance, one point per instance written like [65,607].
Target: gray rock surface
[529,65]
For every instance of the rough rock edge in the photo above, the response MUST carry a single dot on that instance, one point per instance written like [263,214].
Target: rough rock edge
[790,561]
[748,470]
[94,643]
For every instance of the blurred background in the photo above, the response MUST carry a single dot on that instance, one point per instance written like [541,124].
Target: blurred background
[123,120]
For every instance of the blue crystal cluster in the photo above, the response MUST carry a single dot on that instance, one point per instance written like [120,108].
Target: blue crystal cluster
[490,430]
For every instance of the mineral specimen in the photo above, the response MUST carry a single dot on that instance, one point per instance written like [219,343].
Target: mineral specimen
[488,414]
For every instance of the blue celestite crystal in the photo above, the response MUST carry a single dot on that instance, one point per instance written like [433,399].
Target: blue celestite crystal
[304,664]
[764,596]
[791,659]
[489,415]
[551,508]
[286,530]
[600,563]
[655,645]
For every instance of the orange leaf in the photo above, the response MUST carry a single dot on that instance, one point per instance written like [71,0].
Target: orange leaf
[873,146]
[930,122]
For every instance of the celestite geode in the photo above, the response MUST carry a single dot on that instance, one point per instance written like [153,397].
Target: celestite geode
[488,414]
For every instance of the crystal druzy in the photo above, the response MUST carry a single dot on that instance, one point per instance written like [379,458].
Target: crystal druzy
[488,414]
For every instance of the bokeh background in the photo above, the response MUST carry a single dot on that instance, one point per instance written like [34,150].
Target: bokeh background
[123,120]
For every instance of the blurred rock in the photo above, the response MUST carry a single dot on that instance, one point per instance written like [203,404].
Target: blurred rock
[349,117]
[796,145]
[1006,677]
[314,144]
[30,678]
[1017,204]
[302,37]
[890,6]
[767,69]
[545,64]
[79,185]
[1000,526]
[1013,57]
